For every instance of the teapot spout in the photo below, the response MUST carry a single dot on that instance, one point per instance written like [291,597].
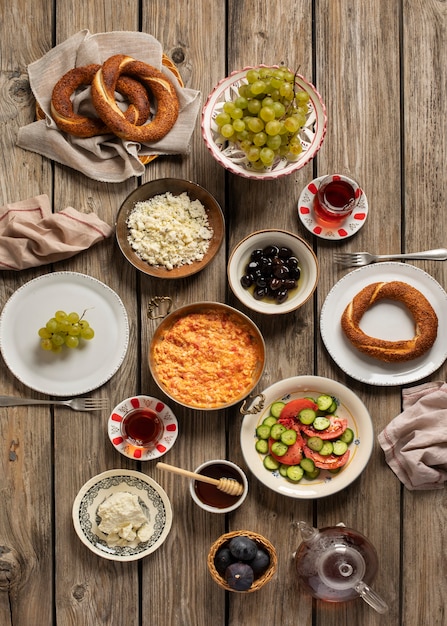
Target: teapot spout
[308,533]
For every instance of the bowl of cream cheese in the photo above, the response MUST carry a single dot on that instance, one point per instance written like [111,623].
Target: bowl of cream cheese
[122,515]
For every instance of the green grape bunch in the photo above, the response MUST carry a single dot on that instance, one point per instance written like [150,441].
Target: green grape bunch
[266,117]
[64,329]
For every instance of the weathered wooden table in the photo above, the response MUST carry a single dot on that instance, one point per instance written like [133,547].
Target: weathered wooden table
[380,67]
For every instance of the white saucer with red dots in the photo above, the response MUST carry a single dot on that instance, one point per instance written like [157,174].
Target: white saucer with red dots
[165,442]
[350,226]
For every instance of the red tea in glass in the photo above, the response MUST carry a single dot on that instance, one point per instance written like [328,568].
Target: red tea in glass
[336,198]
[142,427]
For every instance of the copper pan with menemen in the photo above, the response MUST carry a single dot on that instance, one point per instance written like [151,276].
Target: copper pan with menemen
[206,355]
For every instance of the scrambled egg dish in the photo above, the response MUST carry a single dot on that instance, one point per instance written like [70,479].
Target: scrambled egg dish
[208,359]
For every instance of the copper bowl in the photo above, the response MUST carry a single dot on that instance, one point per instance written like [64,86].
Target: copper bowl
[223,372]
[175,186]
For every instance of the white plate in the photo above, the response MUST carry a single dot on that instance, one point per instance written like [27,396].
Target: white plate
[399,325]
[153,500]
[351,408]
[71,372]
[350,226]
[166,441]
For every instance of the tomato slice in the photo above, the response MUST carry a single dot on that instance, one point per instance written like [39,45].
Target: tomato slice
[293,407]
[336,428]
[332,461]
[294,454]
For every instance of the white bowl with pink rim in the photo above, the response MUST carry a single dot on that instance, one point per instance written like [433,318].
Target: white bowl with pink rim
[231,157]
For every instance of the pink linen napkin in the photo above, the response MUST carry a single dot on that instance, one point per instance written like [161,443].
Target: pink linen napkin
[31,235]
[415,442]
[106,158]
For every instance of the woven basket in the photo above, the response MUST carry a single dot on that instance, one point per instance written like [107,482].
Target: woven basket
[262,543]
[145,159]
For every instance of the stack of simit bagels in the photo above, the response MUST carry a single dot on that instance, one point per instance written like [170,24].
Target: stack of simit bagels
[136,81]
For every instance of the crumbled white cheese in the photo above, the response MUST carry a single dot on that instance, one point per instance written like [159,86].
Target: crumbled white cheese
[169,230]
[123,520]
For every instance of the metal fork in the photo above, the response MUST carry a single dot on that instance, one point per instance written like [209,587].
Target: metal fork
[77,404]
[358,259]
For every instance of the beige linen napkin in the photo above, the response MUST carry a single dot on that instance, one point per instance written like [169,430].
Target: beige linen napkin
[106,158]
[30,235]
[415,442]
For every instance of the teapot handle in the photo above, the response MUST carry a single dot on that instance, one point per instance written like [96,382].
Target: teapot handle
[371,597]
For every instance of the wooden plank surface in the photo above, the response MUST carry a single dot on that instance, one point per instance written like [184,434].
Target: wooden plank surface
[381,70]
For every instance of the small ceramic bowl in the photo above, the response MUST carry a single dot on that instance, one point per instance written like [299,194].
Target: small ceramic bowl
[176,187]
[154,504]
[307,262]
[230,156]
[209,497]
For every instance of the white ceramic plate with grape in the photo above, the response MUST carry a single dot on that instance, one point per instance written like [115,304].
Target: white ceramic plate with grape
[70,372]
[350,407]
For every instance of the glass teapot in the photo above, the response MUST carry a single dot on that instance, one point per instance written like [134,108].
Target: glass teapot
[336,564]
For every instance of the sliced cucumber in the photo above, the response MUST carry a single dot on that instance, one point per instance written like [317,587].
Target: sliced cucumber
[308,465]
[315,443]
[335,470]
[279,448]
[276,408]
[327,448]
[288,437]
[270,463]
[333,407]
[324,402]
[269,421]
[283,470]
[307,416]
[340,447]
[347,436]
[262,446]
[295,473]
[263,431]
[312,475]
[321,423]
[277,430]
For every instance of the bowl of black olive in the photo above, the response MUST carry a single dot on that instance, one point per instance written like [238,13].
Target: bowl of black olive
[273,271]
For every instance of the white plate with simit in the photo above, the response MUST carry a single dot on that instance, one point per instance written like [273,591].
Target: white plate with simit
[399,325]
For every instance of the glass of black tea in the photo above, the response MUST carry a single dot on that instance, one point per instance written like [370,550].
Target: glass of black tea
[142,428]
[336,198]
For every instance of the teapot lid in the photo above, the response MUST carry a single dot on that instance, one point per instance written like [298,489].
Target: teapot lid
[341,566]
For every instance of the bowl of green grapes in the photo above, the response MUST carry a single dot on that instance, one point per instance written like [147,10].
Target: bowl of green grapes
[264,122]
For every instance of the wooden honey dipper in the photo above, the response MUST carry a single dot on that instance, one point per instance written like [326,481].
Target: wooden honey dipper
[227,485]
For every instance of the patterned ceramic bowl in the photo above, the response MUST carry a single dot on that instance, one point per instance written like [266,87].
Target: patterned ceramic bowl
[229,154]
[153,504]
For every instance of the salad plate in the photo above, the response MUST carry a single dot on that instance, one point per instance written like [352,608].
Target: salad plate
[153,501]
[399,325]
[350,407]
[71,372]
